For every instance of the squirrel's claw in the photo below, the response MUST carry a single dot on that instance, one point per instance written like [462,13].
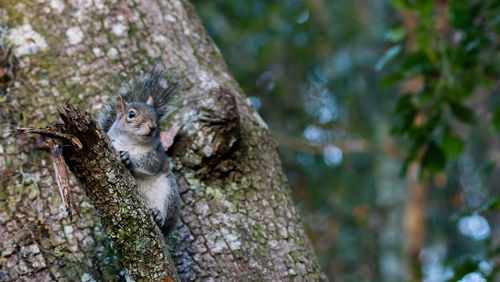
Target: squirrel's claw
[157,217]
[125,157]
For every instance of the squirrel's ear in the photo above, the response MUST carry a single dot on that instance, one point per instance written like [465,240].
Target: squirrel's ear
[120,106]
[150,101]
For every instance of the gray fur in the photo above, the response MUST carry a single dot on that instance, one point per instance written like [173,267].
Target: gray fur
[159,83]
[172,205]
[138,141]
[146,165]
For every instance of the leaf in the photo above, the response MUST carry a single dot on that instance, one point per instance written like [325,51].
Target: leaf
[490,206]
[414,63]
[433,122]
[390,54]
[463,88]
[451,144]
[434,158]
[460,14]
[465,268]
[390,80]
[404,104]
[496,119]
[404,4]
[403,123]
[395,34]
[462,113]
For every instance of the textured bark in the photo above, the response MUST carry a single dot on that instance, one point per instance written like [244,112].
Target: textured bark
[237,220]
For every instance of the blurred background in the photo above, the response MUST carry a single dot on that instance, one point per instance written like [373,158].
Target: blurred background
[388,117]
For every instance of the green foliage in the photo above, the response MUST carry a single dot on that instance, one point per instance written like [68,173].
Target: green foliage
[464,268]
[434,158]
[453,55]
[452,145]
[390,54]
[496,119]
[452,64]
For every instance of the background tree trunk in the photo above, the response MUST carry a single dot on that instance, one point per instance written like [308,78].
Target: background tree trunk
[238,220]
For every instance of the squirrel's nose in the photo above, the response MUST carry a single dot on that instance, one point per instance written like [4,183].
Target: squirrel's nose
[151,125]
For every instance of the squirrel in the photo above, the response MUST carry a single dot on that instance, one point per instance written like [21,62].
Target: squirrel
[133,125]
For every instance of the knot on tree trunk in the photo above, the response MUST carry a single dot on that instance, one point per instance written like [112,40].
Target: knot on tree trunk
[210,135]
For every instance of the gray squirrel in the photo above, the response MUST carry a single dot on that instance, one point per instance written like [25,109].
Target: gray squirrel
[133,125]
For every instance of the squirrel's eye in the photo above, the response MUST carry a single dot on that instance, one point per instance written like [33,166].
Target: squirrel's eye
[131,114]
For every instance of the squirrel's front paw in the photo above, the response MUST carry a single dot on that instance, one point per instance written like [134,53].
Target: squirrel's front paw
[125,157]
[157,217]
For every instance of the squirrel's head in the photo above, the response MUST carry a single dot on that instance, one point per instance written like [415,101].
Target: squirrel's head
[138,120]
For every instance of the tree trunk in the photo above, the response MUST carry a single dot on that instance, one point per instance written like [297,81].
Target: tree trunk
[414,222]
[237,221]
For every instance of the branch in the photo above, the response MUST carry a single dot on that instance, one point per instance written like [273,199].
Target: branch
[91,157]
[301,145]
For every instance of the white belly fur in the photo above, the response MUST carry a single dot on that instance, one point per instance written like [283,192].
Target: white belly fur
[155,189]
[135,151]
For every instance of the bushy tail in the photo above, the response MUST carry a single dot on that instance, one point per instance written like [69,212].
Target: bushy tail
[159,83]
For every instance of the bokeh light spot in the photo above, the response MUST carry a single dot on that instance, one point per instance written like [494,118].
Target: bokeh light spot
[474,226]
[333,155]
